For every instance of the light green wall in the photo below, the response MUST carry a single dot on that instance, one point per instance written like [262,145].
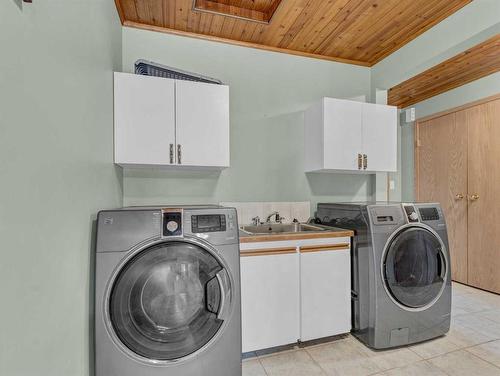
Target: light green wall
[468,27]
[268,92]
[56,170]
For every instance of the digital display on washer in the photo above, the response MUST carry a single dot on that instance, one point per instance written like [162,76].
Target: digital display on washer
[208,223]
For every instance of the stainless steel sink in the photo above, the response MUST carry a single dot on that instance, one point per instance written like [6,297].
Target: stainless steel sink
[280,228]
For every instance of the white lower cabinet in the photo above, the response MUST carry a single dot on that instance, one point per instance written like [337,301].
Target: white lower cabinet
[294,291]
[325,289]
[269,300]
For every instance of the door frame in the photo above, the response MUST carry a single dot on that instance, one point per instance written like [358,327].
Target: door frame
[416,135]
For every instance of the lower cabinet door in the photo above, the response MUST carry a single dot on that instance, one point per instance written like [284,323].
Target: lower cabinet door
[269,300]
[325,286]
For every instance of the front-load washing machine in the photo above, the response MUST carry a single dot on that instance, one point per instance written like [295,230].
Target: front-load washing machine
[401,285]
[168,292]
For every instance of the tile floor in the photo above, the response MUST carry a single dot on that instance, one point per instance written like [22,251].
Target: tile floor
[472,347]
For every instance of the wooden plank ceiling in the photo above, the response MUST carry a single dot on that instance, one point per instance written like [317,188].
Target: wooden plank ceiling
[478,61]
[359,32]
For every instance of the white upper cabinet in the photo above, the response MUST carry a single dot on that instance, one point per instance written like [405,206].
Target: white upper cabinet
[144,119]
[380,137]
[342,120]
[202,112]
[349,136]
[170,123]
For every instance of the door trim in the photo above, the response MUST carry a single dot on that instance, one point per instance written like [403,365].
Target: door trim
[459,108]
[109,287]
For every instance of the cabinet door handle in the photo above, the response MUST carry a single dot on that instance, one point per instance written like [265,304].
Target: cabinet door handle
[365,161]
[360,161]
[171,153]
[474,197]
[324,248]
[268,251]
[459,196]
[179,154]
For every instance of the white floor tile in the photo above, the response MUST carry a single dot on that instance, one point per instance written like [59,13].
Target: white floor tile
[422,368]
[252,367]
[464,336]
[344,358]
[393,358]
[435,347]
[463,363]
[487,351]
[291,363]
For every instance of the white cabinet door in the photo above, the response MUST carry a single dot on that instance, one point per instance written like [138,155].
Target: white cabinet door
[202,124]
[380,137]
[342,134]
[144,119]
[269,300]
[325,286]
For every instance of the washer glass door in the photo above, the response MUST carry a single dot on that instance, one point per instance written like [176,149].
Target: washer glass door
[414,267]
[165,301]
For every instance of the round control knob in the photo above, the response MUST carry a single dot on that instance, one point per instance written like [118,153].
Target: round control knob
[172,226]
[413,216]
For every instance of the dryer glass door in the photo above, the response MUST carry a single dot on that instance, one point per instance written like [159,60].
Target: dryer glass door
[415,267]
[167,301]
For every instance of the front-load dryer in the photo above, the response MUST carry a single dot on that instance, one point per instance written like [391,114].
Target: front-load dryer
[401,285]
[168,292]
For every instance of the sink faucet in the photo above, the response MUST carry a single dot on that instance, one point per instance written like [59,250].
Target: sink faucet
[277,217]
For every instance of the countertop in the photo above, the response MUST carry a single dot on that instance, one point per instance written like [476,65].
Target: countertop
[332,232]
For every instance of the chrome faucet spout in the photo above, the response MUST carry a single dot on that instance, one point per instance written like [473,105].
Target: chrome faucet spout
[277,217]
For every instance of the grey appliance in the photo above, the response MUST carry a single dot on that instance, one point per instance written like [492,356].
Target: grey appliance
[401,286]
[168,292]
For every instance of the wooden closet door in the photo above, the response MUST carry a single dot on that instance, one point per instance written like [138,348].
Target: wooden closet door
[441,168]
[484,181]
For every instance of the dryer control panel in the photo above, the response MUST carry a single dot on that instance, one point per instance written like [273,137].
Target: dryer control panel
[429,214]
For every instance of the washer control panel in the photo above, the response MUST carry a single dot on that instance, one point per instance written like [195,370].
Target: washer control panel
[172,223]
[216,225]
[411,213]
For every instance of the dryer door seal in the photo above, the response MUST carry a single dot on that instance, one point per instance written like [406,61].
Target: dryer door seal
[165,301]
[414,267]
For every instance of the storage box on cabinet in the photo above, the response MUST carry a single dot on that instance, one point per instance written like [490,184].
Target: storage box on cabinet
[170,123]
